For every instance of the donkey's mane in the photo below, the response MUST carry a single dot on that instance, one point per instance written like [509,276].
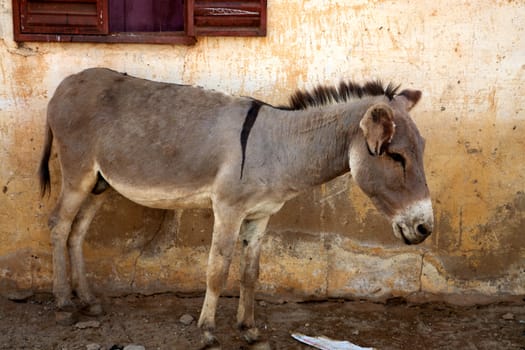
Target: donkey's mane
[324,95]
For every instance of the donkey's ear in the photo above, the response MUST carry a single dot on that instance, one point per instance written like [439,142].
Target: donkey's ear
[378,127]
[412,97]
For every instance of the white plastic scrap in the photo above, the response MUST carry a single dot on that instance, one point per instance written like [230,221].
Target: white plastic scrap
[325,343]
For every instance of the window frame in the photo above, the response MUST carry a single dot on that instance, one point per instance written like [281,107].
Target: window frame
[201,18]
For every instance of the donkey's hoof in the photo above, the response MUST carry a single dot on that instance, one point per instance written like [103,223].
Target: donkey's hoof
[251,335]
[210,341]
[66,318]
[92,310]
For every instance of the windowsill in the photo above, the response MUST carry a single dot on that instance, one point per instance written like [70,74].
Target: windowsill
[174,38]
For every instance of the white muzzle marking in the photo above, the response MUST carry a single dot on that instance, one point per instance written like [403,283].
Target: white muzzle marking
[414,223]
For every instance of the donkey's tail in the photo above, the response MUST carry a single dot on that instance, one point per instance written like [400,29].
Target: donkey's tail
[43,170]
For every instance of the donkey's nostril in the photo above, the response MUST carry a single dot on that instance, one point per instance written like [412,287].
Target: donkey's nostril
[423,230]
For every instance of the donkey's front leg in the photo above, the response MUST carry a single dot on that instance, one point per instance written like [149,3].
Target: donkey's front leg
[225,232]
[252,233]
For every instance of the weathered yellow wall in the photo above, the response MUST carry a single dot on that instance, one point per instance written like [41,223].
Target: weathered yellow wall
[468,58]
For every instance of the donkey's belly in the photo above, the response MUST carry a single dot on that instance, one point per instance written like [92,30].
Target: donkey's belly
[165,197]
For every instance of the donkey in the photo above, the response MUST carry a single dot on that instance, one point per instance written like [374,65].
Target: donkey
[170,146]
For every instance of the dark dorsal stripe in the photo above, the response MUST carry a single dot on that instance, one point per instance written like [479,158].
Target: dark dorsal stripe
[247,127]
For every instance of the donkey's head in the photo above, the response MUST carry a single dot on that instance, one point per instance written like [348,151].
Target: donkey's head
[386,161]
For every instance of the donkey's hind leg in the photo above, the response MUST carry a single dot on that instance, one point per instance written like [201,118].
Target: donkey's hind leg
[60,223]
[252,233]
[89,208]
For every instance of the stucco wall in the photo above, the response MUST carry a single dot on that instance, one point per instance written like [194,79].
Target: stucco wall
[468,58]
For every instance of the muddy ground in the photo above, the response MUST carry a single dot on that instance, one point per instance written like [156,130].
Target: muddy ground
[155,323]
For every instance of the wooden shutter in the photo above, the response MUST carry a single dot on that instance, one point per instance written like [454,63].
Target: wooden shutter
[226,18]
[61,16]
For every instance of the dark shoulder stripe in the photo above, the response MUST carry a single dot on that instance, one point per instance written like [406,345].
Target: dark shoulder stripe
[247,126]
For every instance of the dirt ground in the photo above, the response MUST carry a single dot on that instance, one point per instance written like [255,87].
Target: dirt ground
[155,323]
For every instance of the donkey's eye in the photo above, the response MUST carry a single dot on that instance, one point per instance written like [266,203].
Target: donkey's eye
[396,157]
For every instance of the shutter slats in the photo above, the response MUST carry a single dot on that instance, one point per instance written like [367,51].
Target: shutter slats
[226,21]
[50,7]
[53,21]
[227,18]
[63,16]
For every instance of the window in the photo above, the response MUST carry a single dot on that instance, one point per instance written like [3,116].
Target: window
[136,21]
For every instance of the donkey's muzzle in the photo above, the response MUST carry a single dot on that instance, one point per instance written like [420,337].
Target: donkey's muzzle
[415,223]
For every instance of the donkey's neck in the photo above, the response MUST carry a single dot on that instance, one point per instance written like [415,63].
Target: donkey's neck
[311,145]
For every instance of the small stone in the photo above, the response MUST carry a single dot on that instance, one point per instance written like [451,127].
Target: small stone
[263,303]
[87,324]
[93,346]
[508,316]
[186,319]
[18,295]
[134,347]
[65,318]
[355,332]
[262,345]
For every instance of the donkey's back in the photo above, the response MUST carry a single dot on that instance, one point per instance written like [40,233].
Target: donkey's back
[158,144]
